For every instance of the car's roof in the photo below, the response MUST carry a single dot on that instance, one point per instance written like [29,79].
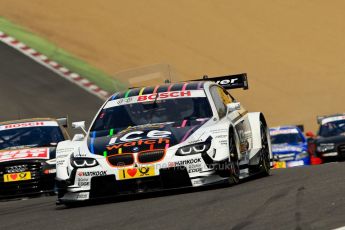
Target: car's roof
[193,85]
[332,115]
[329,118]
[26,120]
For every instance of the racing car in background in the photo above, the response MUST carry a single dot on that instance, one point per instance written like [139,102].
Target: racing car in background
[166,136]
[27,155]
[329,144]
[289,146]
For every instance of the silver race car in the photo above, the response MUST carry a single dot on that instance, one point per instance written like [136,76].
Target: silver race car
[166,136]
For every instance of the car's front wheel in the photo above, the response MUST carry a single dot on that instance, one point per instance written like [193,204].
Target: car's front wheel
[265,160]
[234,167]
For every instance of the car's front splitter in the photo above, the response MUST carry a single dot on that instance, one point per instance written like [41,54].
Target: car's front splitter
[107,186]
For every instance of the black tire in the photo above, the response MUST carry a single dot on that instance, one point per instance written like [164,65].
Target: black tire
[264,165]
[234,167]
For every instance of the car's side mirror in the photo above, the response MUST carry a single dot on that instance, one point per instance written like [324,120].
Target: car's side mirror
[233,106]
[310,134]
[63,122]
[78,137]
[79,125]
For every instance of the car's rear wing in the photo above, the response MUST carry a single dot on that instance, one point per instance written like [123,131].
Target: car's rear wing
[229,81]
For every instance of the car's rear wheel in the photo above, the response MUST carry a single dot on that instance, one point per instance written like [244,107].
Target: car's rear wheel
[234,166]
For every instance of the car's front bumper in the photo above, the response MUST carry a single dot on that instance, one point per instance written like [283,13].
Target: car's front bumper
[108,186]
[291,163]
[42,181]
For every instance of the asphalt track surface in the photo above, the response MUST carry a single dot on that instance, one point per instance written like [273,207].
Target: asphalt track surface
[297,198]
[28,89]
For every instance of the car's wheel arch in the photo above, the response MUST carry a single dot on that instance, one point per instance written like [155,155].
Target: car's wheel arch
[256,120]
[233,133]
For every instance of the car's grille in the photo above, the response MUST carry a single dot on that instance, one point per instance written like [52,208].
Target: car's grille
[121,160]
[16,168]
[152,156]
[24,186]
[286,157]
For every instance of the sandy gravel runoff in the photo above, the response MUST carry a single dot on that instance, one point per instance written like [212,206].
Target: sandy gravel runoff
[293,51]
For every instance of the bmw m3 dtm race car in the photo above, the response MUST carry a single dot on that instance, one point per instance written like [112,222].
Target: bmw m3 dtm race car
[289,146]
[166,136]
[27,155]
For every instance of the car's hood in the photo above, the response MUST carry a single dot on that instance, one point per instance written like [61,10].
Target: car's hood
[27,154]
[335,139]
[142,138]
[288,148]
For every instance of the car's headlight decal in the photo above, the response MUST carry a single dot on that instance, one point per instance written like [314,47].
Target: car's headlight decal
[83,162]
[195,148]
[302,155]
[324,147]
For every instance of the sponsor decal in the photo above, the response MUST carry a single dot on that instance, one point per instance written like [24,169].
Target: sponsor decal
[192,165]
[139,143]
[137,135]
[140,172]
[17,176]
[286,149]
[28,124]
[279,164]
[194,168]
[62,156]
[164,95]
[82,196]
[227,81]
[219,131]
[185,162]
[82,182]
[60,162]
[223,142]
[125,100]
[198,181]
[194,142]
[91,174]
[61,151]
[283,131]
[80,154]
[295,163]
[37,153]
[155,96]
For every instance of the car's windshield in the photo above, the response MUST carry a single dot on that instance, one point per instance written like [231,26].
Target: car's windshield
[43,136]
[155,111]
[333,128]
[290,138]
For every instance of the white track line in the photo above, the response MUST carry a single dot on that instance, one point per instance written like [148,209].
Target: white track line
[54,66]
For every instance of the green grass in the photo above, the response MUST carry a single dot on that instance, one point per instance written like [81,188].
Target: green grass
[61,56]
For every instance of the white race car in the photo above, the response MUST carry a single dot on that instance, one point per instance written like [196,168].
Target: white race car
[167,136]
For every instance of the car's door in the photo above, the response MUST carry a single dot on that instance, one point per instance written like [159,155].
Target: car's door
[239,118]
